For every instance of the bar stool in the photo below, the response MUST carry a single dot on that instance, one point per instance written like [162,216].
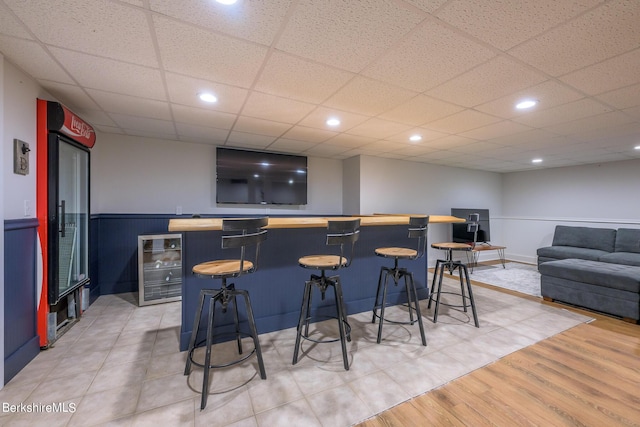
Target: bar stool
[244,233]
[451,265]
[341,233]
[417,230]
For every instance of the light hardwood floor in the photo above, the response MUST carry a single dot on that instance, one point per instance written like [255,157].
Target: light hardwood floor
[586,376]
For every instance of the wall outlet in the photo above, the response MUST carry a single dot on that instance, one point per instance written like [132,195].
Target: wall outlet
[178,210]
[27,208]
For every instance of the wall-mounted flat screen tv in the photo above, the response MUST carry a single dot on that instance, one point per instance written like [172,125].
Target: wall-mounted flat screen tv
[257,177]
[463,233]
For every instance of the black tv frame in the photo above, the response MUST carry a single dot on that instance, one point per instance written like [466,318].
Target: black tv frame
[260,177]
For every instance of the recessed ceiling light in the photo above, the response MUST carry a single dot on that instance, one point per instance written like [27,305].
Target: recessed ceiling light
[226,1]
[208,97]
[526,103]
[333,122]
[536,161]
[637,147]
[415,138]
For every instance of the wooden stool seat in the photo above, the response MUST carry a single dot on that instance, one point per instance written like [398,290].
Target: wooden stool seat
[396,252]
[225,267]
[329,262]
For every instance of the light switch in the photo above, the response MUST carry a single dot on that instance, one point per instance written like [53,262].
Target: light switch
[21,157]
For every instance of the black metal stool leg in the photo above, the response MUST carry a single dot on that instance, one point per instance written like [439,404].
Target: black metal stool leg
[417,308]
[337,287]
[301,321]
[207,358]
[344,308]
[382,307]
[459,266]
[237,321]
[194,333]
[404,274]
[435,313]
[375,304]
[471,300]
[254,332]
[433,281]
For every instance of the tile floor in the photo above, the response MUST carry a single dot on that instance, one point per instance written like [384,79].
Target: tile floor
[120,366]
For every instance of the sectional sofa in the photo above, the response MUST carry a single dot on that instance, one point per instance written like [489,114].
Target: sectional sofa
[596,268]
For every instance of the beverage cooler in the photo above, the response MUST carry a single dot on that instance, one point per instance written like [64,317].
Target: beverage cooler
[63,142]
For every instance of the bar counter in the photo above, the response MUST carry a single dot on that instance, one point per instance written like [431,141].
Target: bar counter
[202,224]
[276,287]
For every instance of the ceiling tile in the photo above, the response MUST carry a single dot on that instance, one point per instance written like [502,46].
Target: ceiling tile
[9,25]
[496,130]
[589,124]
[201,134]
[384,146]
[257,21]
[308,134]
[264,106]
[563,113]
[123,104]
[427,57]
[199,53]
[504,24]
[622,98]
[243,139]
[419,110]
[427,5]
[475,148]
[143,124]
[98,28]
[300,79]
[489,81]
[112,76]
[318,119]
[608,75]
[326,150]
[424,133]
[633,112]
[462,122]
[185,90]
[366,96]
[259,126]
[70,95]
[352,141]
[350,39]
[602,33]
[450,141]
[378,128]
[290,145]
[549,94]
[31,56]
[201,116]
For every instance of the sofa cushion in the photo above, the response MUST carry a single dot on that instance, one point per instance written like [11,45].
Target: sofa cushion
[564,252]
[626,258]
[615,276]
[628,240]
[585,237]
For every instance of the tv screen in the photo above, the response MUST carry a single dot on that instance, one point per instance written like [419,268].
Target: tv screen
[255,177]
[462,233]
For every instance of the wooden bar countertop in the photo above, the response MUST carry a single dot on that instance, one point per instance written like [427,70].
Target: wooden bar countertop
[203,224]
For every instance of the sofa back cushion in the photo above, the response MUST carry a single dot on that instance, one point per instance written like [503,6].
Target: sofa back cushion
[628,240]
[585,237]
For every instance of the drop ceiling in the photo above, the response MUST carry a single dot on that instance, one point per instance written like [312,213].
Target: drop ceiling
[448,70]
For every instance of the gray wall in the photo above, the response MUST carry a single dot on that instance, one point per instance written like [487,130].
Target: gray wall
[597,195]
[142,175]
